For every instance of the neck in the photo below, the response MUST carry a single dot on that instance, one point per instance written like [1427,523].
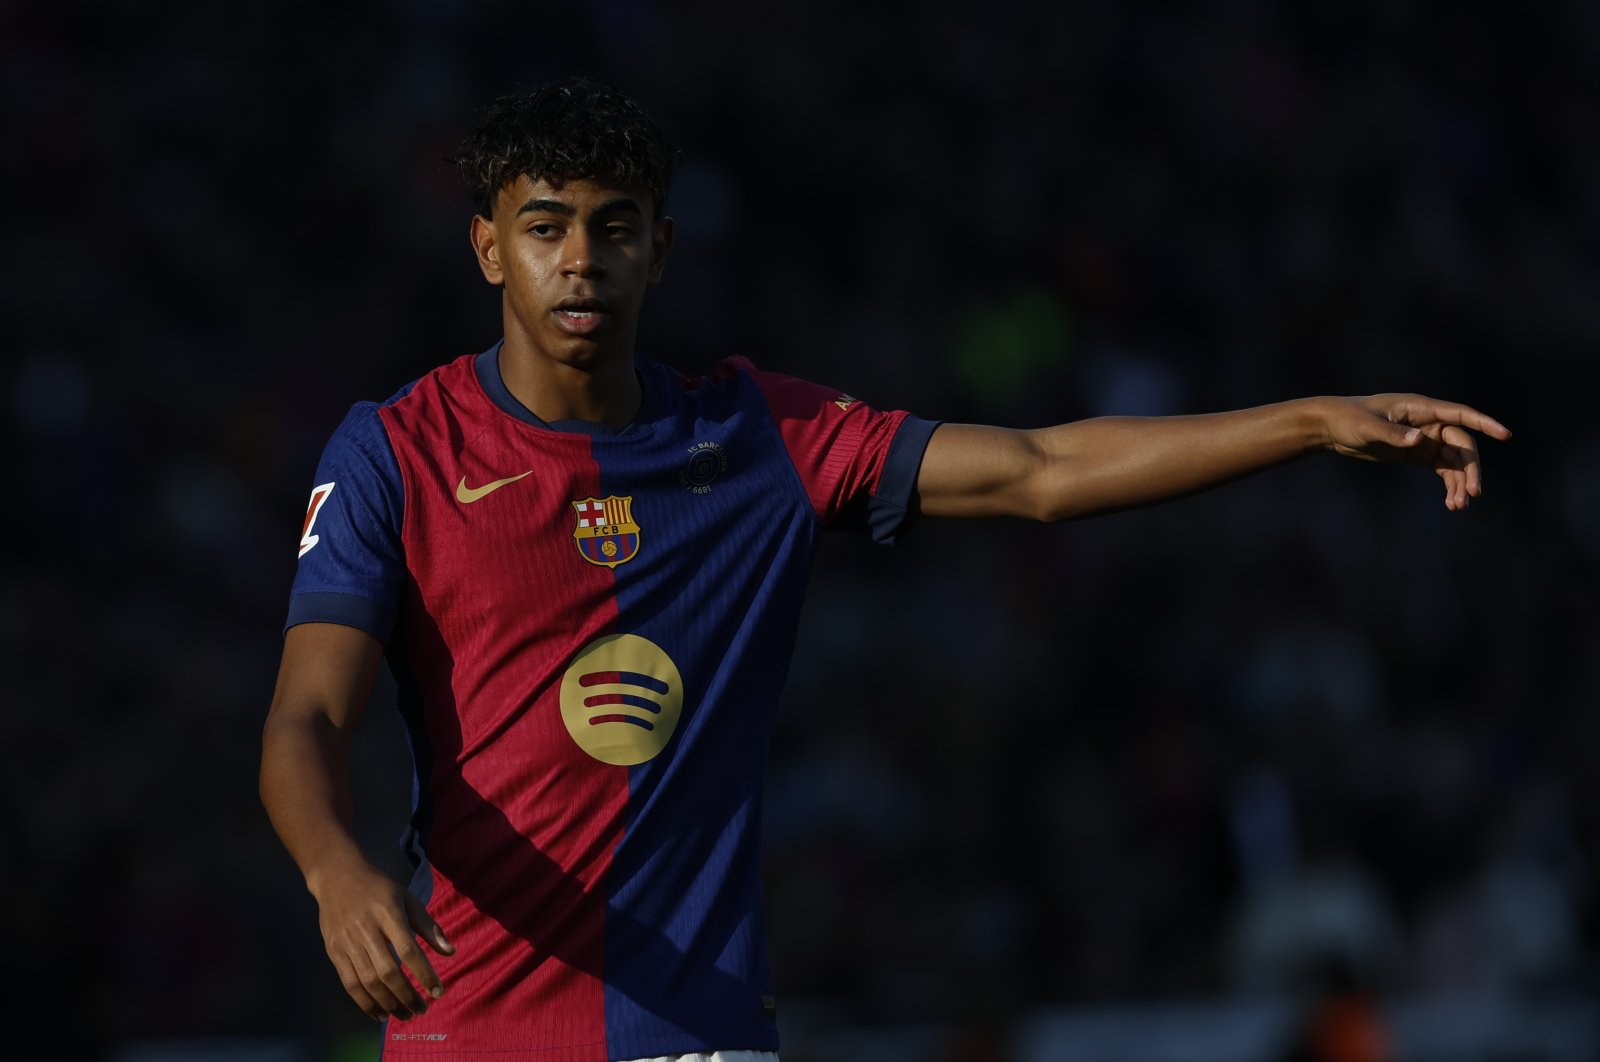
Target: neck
[607,392]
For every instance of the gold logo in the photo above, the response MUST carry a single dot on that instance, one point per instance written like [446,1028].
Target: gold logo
[467,495]
[605,530]
[844,402]
[621,699]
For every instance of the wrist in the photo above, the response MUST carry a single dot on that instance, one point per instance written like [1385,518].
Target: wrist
[336,866]
[1316,422]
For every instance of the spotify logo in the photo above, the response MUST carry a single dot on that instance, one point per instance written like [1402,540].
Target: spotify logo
[621,699]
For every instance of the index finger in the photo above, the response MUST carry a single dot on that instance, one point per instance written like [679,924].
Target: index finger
[1465,416]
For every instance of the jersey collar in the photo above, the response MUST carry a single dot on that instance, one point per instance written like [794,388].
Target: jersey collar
[488,368]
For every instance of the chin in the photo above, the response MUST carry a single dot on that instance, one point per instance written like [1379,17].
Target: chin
[584,353]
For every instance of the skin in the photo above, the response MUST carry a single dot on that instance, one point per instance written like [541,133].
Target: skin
[548,245]
[1098,466]
[323,685]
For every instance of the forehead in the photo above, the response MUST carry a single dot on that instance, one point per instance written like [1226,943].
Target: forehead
[583,195]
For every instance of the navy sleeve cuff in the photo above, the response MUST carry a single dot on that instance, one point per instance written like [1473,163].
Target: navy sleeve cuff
[890,507]
[349,610]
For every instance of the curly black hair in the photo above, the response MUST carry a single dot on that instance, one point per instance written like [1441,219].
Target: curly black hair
[572,130]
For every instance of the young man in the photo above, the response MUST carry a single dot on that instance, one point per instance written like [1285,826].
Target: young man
[586,573]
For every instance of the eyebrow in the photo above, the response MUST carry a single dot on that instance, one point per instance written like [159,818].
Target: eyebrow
[624,204]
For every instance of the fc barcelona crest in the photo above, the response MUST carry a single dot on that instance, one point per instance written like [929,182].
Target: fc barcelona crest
[606,533]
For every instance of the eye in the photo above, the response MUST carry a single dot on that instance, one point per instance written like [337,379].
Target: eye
[544,229]
[619,232]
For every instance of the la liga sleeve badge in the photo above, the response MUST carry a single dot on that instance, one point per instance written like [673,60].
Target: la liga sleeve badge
[606,533]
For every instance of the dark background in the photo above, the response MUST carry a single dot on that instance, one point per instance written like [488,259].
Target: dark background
[1309,722]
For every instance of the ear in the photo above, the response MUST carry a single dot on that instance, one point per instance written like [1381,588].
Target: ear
[487,246]
[660,244]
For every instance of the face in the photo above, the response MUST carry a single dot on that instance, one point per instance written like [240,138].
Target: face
[575,261]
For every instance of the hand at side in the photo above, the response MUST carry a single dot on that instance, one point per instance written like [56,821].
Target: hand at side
[370,927]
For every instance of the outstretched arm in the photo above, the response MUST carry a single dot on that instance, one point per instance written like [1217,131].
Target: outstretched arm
[367,919]
[1110,463]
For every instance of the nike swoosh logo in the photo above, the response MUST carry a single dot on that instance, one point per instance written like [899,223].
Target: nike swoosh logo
[467,495]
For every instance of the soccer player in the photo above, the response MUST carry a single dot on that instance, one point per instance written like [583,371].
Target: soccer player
[585,571]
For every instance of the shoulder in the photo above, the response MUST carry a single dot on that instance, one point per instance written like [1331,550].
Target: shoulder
[722,392]
[435,398]
[739,379]
[725,374]
[360,461]
[367,444]
[791,397]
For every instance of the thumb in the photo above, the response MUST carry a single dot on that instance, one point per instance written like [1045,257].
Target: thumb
[426,928]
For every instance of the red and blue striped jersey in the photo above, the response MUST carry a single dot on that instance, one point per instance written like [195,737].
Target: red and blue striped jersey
[589,630]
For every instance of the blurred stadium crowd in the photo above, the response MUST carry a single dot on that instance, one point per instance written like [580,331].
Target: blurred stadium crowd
[1308,730]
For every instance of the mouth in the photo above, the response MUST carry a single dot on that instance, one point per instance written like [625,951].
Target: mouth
[581,315]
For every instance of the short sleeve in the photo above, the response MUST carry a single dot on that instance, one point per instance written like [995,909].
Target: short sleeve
[352,564]
[858,464]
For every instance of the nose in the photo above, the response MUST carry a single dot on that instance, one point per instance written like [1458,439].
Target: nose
[577,254]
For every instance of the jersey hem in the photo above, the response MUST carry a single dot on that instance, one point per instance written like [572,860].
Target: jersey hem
[670,1045]
[584,1052]
[590,1052]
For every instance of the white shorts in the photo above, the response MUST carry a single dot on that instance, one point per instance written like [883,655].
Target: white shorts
[717,1056]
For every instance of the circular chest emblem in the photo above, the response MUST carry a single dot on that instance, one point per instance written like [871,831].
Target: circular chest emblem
[621,699]
[707,460]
